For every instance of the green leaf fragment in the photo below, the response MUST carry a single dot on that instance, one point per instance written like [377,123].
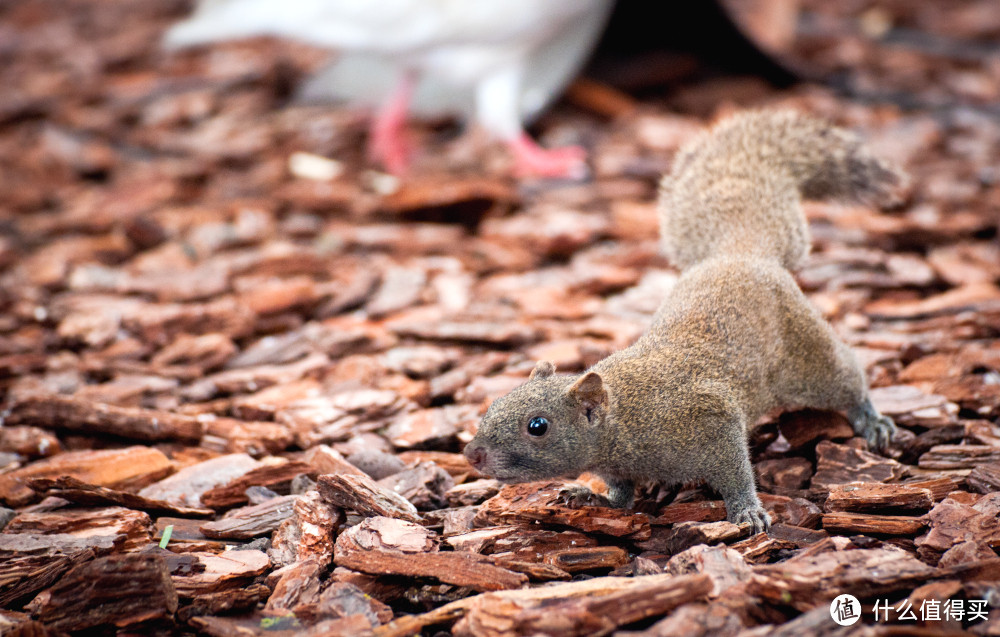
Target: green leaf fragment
[167,532]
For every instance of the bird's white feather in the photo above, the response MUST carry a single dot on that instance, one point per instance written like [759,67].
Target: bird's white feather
[500,61]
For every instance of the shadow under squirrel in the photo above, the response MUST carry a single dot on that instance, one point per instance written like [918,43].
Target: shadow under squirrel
[735,338]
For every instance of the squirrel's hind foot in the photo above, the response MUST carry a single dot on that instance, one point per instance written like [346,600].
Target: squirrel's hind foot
[873,426]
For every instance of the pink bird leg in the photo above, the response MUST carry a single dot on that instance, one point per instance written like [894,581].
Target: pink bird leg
[531,160]
[387,143]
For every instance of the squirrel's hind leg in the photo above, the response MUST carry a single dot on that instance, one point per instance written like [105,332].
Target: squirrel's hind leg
[843,387]
[823,373]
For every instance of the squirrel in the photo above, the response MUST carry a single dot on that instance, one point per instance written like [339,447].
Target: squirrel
[734,339]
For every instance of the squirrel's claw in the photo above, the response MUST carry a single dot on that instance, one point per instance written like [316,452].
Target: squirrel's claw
[873,426]
[881,433]
[755,517]
[577,496]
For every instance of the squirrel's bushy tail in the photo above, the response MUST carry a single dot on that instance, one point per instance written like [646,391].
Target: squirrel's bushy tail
[736,189]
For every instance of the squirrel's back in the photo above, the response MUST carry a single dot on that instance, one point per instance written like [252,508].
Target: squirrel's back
[736,189]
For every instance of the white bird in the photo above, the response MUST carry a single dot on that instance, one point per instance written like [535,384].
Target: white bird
[499,62]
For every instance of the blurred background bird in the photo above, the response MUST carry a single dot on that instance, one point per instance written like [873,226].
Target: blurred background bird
[498,63]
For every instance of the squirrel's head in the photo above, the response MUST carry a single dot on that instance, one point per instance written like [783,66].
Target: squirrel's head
[547,428]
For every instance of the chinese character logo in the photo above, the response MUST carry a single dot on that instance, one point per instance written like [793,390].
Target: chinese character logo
[845,609]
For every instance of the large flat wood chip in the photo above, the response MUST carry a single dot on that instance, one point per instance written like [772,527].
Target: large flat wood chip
[852,523]
[841,464]
[529,543]
[364,495]
[132,467]
[227,570]
[325,459]
[472,493]
[187,485]
[965,298]
[725,566]
[874,497]
[71,414]
[815,580]
[952,522]
[506,334]
[797,512]
[591,607]
[587,558]
[984,478]
[80,492]
[394,534]
[276,476]
[29,562]
[704,511]
[31,442]
[960,457]
[687,534]
[295,584]
[355,549]
[908,405]
[117,590]
[542,502]
[761,548]
[253,521]
[136,526]
[939,486]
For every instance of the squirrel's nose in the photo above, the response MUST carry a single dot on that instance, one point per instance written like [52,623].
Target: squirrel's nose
[476,455]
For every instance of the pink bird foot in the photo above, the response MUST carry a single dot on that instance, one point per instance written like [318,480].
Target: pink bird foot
[387,141]
[390,149]
[531,160]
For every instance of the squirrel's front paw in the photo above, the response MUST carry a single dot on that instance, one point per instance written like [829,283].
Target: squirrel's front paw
[876,428]
[756,517]
[577,496]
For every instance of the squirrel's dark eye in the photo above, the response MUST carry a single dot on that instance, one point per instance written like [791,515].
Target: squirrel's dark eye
[537,426]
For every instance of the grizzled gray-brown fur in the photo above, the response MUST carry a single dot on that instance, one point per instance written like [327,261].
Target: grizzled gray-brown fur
[735,338]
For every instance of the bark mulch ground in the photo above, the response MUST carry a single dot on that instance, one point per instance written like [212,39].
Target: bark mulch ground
[238,366]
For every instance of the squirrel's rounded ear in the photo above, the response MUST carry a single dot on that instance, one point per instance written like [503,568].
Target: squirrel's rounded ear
[589,390]
[543,369]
